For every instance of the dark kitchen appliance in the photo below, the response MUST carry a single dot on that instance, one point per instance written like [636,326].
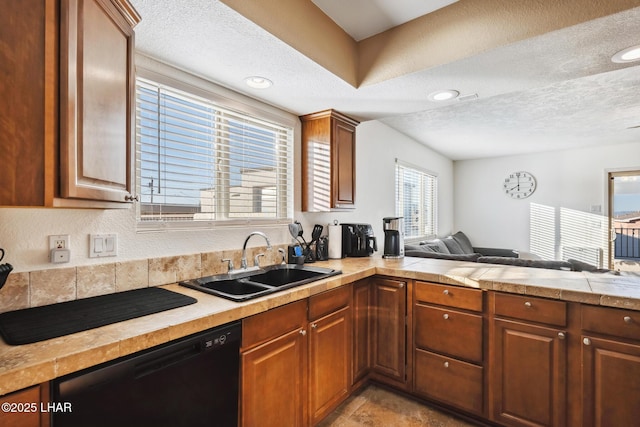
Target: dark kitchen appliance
[393,237]
[191,382]
[358,240]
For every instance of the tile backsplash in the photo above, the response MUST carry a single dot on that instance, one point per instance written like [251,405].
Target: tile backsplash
[42,287]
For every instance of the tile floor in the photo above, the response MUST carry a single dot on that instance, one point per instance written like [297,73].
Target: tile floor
[377,407]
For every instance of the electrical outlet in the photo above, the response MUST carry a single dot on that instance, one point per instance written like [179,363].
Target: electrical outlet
[59,248]
[59,241]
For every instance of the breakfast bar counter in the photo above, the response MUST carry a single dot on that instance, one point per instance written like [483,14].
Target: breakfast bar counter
[30,364]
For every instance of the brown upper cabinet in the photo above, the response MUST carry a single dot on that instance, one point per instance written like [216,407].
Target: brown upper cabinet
[67,107]
[328,161]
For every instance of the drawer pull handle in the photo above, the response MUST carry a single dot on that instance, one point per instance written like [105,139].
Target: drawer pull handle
[446,364]
[446,292]
[303,332]
[628,319]
[562,335]
[445,316]
[586,341]
[314,325]
[528,304]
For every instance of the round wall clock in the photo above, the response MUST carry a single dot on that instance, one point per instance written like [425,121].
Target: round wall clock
[519,185]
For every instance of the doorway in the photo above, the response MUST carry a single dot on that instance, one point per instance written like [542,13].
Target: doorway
[624,220]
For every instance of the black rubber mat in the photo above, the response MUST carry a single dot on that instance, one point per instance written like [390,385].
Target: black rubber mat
[50,321]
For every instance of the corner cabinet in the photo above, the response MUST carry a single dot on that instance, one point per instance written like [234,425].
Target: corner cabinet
[67,105]
[389,331]
[328,161]
[97,88]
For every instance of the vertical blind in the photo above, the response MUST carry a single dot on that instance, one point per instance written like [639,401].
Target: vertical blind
[416,200]
[199,161]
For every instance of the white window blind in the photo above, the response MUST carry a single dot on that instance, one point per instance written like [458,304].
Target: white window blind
[416,200]
[198,161]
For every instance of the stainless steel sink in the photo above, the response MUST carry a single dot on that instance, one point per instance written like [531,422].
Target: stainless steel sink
[246,285]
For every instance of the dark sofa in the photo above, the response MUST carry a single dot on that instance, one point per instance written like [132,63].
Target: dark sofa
[458,247]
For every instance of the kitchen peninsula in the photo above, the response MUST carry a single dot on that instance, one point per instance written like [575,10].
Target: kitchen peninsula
[569,319]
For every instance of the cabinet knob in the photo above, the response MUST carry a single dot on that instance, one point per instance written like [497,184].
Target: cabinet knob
[401,285]
[446,292]
[303,332]
[445,316]
[446,364]
[528,304]
[586,341]
[314,325]
[131,198]
[562,335]
[628,319]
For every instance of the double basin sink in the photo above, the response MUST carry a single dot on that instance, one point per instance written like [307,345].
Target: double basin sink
[246,285]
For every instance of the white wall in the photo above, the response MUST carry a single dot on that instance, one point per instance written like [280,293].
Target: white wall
[377,147]
[23,232]
[571,186]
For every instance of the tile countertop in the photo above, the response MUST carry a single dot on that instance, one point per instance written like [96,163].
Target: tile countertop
[26,365]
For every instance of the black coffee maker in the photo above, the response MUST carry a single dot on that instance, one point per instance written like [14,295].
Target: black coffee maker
[358,240]
[393,237]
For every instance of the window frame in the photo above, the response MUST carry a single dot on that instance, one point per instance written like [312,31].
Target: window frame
[228,100]
[432,200]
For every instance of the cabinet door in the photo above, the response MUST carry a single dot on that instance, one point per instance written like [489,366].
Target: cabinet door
[344,164]
[28,105]
[23,408]
[361,328]
[96,90]
[273,385]
[529,375]
[610,383]
[329,362]
[388,349]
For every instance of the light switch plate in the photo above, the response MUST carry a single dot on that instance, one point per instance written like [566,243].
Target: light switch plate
[103,245]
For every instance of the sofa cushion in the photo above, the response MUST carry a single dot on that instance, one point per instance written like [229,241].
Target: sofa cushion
[463,242]
[436,245]
[453,246]
[534,263]
[437,255]
[578,265]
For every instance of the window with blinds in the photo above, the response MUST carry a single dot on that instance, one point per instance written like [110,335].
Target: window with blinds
[200,162]
[416,200]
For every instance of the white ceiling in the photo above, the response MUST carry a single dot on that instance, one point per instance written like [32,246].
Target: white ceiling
[556,91]
[364,18]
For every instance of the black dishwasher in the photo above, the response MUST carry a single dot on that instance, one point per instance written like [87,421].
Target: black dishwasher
[190,382]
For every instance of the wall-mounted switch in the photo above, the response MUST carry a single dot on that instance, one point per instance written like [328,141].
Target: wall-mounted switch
[103,245]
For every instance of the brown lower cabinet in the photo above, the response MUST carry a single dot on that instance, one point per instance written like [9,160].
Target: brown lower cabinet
[531,361]
[388,330]
[26,408]
[610,355]
[296,361]
[528,361]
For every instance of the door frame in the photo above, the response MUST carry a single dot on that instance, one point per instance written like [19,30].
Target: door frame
[610,175]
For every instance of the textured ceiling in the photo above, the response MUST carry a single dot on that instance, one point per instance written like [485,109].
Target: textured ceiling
[364,18]
[555,91]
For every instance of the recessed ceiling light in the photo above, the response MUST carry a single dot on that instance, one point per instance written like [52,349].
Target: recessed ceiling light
[629,54]
[258,82]
[443,95]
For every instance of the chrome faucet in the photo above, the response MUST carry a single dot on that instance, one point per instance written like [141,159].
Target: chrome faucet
[243,263]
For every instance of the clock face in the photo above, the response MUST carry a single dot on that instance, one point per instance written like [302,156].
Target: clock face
[519,185]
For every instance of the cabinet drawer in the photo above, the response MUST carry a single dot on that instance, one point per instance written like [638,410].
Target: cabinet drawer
[448,331]
[449,380]
[452,296]
[273,323]
[328,302]
[611,321]
[531,308]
